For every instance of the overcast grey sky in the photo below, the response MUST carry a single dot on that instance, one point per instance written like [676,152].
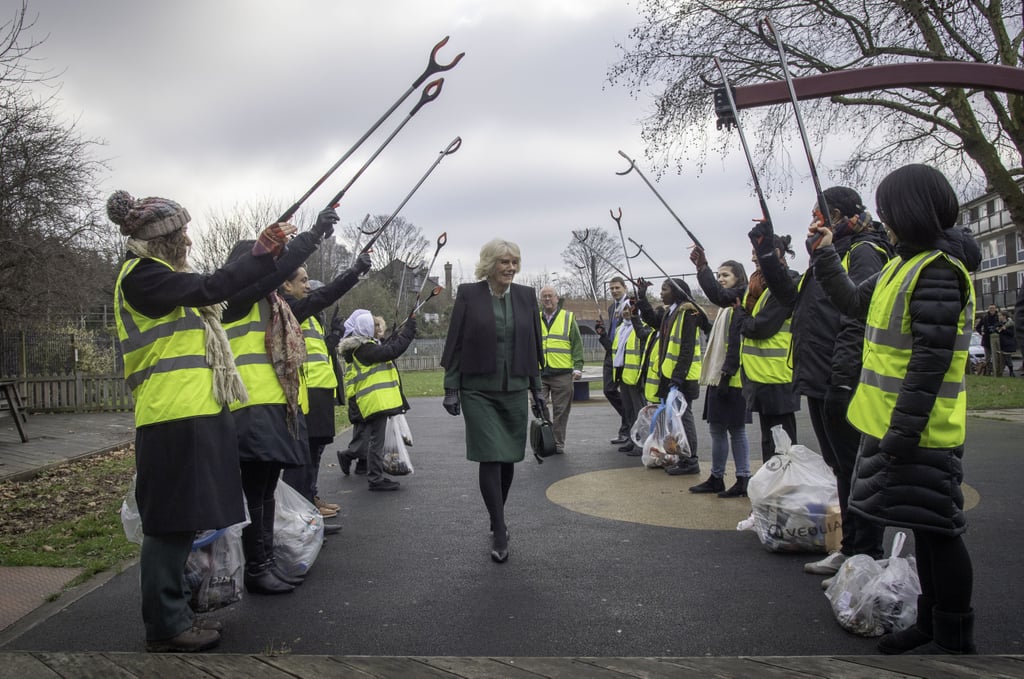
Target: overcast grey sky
[212,102]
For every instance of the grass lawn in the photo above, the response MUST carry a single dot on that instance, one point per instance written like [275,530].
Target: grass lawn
[989,393]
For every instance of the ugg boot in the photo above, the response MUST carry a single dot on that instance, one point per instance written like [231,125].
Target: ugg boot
[260,579]
[918,634]
[738,489]
[952,633]
[714,484]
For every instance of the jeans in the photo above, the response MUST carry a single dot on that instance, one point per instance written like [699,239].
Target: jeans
[720,435]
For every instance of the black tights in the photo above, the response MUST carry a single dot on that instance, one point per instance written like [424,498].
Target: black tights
[944,567]
[495,481]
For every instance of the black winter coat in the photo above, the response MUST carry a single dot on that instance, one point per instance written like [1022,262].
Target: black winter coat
[827,345]
[895,480]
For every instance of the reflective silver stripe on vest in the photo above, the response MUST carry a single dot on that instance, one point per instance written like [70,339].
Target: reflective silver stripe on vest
[766,352]
[137,339]
[165,365]
[893,385]
[235,331]
[559,351]
[251,359]
[892,335]
[376,387]
[312,358]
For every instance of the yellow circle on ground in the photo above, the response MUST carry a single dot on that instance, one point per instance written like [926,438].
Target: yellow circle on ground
[652,497]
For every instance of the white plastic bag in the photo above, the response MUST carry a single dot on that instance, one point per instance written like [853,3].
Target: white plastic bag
[641,429]
[872,598]
[298,531]
[131,520]
[403,428]
[667,443]
[794,500]
[215,568]
[396,458]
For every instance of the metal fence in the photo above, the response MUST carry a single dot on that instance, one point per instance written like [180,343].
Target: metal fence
[49,352]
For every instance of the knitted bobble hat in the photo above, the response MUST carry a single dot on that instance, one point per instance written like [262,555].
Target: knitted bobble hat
[146,218]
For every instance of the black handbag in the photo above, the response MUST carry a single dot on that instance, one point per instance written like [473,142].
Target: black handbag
[542,439]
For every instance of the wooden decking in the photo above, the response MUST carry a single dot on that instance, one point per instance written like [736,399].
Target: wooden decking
[112,665]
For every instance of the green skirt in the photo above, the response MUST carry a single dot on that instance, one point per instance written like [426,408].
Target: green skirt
[496,424]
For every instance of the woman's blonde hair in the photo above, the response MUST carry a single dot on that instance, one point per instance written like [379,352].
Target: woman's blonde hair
[491,252]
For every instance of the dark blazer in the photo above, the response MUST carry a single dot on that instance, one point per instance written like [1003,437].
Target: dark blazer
[471,331]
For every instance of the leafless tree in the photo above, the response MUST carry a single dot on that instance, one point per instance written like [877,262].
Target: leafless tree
[958,130]
[55,255]
[587,270]
[213,239]
[401,240]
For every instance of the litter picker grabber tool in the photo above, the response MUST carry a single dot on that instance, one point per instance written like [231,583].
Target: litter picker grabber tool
[450,149]
[419,305]
[430,93]
[822,203]
[432,68]
[689,298]
[583,241]
[441,240]
[593,290]
[725,109]
[625,253]
[632,166]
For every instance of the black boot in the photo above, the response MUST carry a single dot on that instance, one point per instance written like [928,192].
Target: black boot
[686,466]
[268,542]
[260,579]
[345,462]
[952,634]
[918,634]
[714,484]
[738,489]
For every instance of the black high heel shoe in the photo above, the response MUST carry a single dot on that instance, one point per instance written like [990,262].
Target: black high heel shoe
[501,555]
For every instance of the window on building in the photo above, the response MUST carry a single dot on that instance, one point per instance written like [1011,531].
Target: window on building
[1001,282]
[1020,248]
[986,286]
[990,207]
[993,253]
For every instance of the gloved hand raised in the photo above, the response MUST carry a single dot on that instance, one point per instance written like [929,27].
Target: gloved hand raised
[362,263]
[539,406]
[641,287]
[451,401]
[325,222]
[272,240]
[762,237]
[599,328]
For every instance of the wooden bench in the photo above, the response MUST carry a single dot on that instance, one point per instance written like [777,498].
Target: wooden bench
[11,402]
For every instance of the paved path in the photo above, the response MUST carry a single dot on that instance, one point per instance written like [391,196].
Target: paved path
[55,439]
[608,560]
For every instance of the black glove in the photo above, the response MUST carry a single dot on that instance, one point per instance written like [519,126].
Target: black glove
[641,287]
[325,222]
[409,330]
[451,401]
[362,263]
[677,383]
[539,405]
[599,328]
[762,237]
[837,402]
[723,382]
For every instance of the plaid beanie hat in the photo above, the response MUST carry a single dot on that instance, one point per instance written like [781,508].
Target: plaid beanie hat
[146,218]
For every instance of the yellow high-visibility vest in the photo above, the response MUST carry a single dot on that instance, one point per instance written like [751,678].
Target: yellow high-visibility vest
[376,387]
[249,346]
[765,361]
[164,360]
[319,373]
[556,340]
[887,349]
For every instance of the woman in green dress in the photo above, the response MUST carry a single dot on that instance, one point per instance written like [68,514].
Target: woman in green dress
[491,358]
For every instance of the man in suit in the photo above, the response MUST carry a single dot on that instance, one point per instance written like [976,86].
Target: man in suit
[617,287]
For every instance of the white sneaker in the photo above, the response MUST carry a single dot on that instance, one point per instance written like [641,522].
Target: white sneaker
[827,582]
[827,566]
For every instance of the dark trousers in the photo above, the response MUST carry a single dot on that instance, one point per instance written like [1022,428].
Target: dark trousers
[632,401]
[303,479]
[612,392]
[788,422]
[259,481]
[945,570]
[375,429]
[839,442]
[165,593]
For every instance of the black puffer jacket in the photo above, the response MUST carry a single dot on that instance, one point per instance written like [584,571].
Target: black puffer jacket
[896,481]
[826,344]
